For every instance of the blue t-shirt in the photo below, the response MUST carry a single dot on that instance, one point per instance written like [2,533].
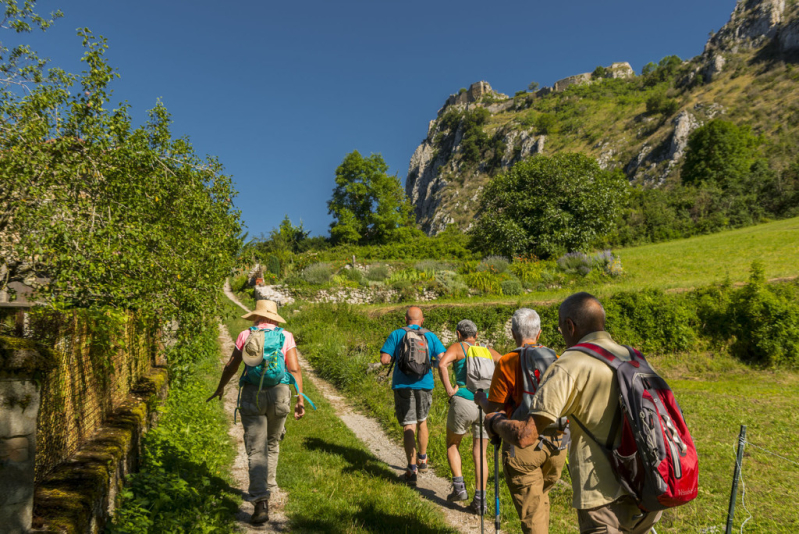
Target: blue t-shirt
[400,380]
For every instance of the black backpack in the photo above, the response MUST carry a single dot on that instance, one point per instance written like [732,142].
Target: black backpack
[413,357]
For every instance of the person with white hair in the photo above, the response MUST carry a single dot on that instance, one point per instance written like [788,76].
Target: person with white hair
[464,356]
[530,472]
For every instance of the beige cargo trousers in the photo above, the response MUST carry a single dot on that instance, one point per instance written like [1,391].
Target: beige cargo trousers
[264,418]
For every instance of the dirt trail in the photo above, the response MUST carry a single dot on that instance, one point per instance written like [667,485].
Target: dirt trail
[369,431]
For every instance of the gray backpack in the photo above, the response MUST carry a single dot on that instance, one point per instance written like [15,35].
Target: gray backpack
[534,362]
[479,367]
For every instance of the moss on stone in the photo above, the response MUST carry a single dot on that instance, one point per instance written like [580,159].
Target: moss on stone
[24,356]
[77,491]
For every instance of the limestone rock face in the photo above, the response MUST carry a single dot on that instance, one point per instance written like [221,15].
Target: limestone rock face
[475,92]
[752,23]
[684,124]
[620,70]
[577,79]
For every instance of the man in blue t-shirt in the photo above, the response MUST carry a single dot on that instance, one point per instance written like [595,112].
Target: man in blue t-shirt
[412,396]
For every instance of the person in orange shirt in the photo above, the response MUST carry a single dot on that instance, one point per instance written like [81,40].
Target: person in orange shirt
[531,472]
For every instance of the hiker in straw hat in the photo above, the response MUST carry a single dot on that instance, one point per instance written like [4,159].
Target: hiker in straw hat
[264,396]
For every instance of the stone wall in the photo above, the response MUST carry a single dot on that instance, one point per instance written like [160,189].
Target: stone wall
[62,375]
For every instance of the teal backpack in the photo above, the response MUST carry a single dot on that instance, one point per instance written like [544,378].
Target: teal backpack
[272,369]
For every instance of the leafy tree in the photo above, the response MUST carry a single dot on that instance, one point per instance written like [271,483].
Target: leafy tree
[368,205]
[719,153]
[533,87]
[665,71]
[599,73]
[661,104]
[548,205]
[112,215]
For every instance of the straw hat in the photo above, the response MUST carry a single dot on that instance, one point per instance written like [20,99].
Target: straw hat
[266,309]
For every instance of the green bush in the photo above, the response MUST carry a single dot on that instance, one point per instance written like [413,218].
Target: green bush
[378,272]
[273,265]
[484,281]
[495,264]
[765,322]
[659,103]
[239,283]
[528,271]
[355,275]
[434,266]
[317,274]
[512,287]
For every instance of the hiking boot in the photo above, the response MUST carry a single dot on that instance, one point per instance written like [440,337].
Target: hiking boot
[475,506]
[458,494]
[422,466]
[261,513]
[409,477]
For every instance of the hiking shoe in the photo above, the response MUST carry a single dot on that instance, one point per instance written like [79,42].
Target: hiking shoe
[422,466]
[261,513]
[409,477]
[475,506]
[458,494]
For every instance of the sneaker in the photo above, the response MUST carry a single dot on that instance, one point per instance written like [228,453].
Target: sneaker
[422,465]
[475,506]
[458,494]
[261,513]
[409,477]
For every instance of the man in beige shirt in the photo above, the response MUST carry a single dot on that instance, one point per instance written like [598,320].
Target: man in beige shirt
[584,388]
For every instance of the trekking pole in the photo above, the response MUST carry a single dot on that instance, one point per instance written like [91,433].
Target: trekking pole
[482,430]
[496,484]
[736,476]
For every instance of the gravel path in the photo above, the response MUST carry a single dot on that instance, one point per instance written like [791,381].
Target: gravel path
[369,431]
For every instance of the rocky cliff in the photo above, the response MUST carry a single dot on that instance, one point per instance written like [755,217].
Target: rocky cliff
[638,124]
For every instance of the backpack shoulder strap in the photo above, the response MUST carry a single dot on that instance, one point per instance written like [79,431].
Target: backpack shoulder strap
[599,353]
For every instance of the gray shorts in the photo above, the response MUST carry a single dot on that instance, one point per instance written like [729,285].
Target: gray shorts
[411,406]
[464,413]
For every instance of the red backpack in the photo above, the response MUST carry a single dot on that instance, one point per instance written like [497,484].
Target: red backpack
[656,461]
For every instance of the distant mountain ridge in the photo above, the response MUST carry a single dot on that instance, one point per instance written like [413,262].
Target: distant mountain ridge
[638,124]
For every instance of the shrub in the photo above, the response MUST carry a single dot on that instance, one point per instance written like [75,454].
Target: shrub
[317,274]
[433,266]
[354,275]
[495,264]
[273,265]
[378,272]
[484,281]
[528,271]
[239,283]
[511,287]
[575,263]
[765,322]
[659,103]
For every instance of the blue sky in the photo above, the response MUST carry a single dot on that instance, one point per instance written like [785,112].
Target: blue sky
[282,91]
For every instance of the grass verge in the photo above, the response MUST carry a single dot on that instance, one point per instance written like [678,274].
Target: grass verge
[183,483]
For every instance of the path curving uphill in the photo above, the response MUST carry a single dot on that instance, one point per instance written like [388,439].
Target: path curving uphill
[369,431]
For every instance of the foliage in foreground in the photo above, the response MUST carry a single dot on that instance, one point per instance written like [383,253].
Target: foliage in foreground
[182,484]
[112,214]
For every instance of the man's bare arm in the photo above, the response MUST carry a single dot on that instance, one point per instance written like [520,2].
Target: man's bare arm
[520,434]
[385,358]
[488,406]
